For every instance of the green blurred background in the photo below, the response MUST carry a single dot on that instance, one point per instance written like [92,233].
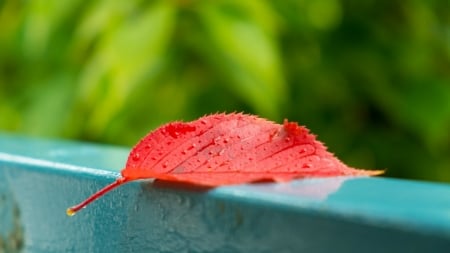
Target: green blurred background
[370,78]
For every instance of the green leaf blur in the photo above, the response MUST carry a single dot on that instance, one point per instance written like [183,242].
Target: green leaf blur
[370,78]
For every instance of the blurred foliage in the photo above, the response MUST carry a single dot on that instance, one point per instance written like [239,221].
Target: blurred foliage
[371,78]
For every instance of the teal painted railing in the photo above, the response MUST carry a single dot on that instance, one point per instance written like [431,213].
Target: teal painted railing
[39,179]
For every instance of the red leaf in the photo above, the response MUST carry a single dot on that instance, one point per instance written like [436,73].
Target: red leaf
[225,149]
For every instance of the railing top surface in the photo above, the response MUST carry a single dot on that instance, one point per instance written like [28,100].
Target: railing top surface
[407,205]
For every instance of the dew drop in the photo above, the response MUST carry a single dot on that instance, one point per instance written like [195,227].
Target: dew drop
[136,157]
[177,199]
[183,152]
[307,166]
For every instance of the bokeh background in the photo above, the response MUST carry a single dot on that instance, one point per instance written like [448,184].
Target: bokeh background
[370,78]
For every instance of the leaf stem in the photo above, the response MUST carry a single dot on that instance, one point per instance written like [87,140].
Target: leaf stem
[74,209]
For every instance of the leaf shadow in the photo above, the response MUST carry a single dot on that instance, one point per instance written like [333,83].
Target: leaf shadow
[164,184]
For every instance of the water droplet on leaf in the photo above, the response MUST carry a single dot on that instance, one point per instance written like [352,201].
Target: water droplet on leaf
[136,157]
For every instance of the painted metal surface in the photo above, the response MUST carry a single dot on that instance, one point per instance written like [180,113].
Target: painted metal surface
[39,179]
